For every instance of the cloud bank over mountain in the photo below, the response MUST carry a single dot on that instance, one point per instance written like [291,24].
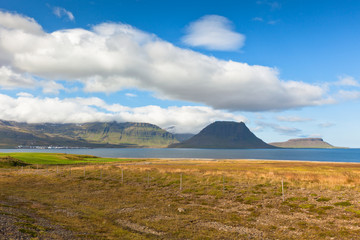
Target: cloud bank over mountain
[27,108]
[113,56]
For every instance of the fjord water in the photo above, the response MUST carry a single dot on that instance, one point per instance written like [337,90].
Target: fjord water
[322,155]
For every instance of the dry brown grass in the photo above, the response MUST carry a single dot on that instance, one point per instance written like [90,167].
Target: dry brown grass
[220,199]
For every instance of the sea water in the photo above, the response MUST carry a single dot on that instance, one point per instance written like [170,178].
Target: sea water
[322,155]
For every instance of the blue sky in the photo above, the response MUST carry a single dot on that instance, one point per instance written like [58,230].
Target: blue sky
[287,68]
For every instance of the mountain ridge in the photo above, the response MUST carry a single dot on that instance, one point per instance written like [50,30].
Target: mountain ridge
[94,134]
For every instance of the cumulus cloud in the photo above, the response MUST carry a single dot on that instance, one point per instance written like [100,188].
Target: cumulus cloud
[186,119]
[290,131]
[62,12]
[112,57]
[20,23]
[213,32]
[292,119]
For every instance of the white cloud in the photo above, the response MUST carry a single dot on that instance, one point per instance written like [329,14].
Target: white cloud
[257,129]
[314,135]
[51,87]
[271,22]
[215,33]
[292,119]
[326,124]
[186,119]
[61,12]
[346,80]
[112,57]
[19,22]
[24,94]
[9,79]
[290,131]
[349,95]
[130,95]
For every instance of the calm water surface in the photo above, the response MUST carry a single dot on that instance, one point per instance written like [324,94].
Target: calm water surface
[323,155]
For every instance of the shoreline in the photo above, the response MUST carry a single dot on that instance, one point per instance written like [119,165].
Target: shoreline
[236,160]
[297,155]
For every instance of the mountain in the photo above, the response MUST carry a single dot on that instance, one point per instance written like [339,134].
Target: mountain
[223,134]
[183,136]
[96,134]
[179,136]
[303,143]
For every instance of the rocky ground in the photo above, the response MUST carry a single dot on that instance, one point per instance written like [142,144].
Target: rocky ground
[19,221]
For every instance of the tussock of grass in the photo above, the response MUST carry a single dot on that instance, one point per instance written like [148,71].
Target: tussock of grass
[343,204]
[8,161]
[30,232]
[323,199]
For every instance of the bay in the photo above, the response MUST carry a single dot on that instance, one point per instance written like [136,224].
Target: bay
[321,155]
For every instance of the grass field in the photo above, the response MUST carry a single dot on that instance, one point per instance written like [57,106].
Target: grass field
[179,199]
[59,158]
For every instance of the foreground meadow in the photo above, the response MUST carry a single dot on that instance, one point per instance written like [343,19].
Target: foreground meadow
[60,196]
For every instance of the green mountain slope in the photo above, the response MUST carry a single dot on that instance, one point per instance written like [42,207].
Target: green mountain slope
[97,134]
[142,134]
[224,135]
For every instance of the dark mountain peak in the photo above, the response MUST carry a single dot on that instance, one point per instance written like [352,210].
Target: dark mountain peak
[227,123]
[181,137]
[228,130]
[224,134]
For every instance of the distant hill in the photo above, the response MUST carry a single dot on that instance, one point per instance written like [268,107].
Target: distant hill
[96,134]
[224,134]
[303,143]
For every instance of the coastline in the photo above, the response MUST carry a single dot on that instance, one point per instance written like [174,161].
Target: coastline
[306,155]
[239,159]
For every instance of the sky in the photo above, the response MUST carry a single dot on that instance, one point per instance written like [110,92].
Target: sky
[288,69]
